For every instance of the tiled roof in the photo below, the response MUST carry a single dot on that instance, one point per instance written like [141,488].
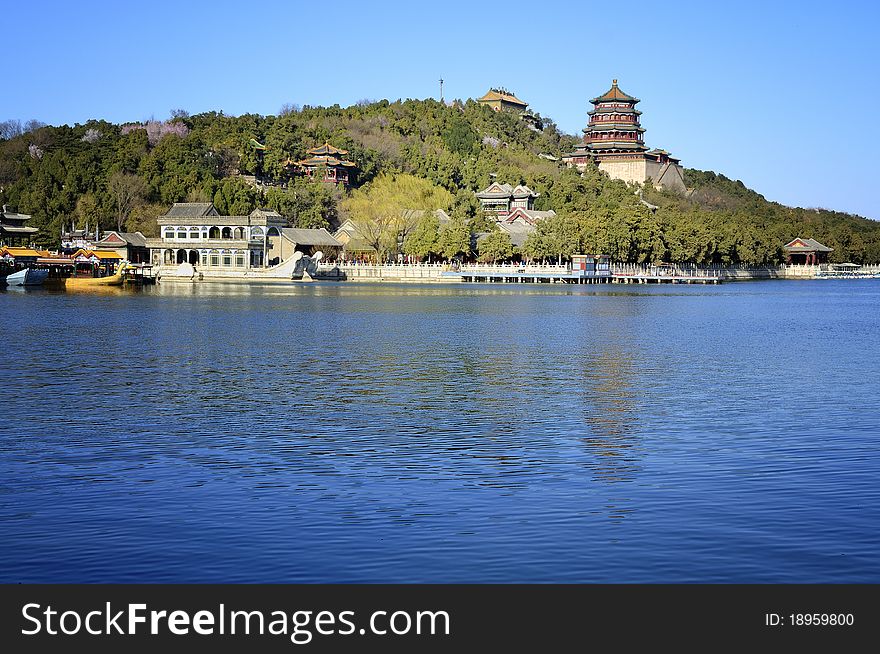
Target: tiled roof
[496,190]
[191,209]
[113,239]
[203,221]
[614,93]
[530,216]
[806,245]
[302,236]
[326,149]
[23,252]
[493,95]
[135,238]
[10,215]
[523,191]
[614,110]
[100,254]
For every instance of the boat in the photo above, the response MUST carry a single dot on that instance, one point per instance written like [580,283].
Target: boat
[117,279]
[27,277]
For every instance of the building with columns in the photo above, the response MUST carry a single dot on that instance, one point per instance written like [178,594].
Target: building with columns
[614,141]
[806,251]
[195,233]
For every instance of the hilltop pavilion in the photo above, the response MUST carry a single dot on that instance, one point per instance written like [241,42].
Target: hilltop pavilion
[503,100]
[337,169]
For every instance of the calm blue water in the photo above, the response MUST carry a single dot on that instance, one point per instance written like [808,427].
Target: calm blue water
[359,433]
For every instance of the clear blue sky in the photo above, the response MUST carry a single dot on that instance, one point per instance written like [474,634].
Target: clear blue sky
[783,96]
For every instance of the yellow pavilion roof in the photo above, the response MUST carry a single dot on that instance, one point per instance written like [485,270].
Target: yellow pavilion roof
[101,254]
[506,97]
[23,252]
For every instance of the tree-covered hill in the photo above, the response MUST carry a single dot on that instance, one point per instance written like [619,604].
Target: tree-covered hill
[123,176]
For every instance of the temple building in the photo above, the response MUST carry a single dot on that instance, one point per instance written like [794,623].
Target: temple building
[614,140]
[330,160]
[13,230]
[498,200]
[513,210]
[503,100]
[806,251]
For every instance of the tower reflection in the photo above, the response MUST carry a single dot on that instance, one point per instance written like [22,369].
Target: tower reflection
[611,411]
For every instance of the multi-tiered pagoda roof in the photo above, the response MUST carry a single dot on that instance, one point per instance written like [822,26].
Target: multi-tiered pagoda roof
[614,123]
[614,141]
[326,155]
[331,159]
[614,94]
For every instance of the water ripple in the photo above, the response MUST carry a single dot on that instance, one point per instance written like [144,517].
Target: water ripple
[421,433]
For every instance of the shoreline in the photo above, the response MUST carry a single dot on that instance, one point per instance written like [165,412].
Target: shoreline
[535,275]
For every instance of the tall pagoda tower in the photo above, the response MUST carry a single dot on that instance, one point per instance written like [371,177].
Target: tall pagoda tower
[613,140]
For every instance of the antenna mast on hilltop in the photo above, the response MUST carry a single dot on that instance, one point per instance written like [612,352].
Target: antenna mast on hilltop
[441,89]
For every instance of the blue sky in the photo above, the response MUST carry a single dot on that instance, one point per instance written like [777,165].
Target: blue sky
[783,96]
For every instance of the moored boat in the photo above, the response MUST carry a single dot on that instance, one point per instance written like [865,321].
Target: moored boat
[27,277]
[117,279]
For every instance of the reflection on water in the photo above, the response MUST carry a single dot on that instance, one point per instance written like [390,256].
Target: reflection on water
[611,407]
[358,432]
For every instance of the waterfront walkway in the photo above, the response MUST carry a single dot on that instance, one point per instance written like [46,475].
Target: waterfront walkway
[553,273]
[531,274]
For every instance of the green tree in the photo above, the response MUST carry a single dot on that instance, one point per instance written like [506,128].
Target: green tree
[422,241]
[87,211]
[460,137]
[455,239]
[495,246]
[235,197]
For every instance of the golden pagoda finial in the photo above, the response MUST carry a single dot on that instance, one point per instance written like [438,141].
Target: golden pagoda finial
[614,82]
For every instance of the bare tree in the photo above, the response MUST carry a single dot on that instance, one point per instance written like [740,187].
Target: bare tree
[9,129]
[126,192]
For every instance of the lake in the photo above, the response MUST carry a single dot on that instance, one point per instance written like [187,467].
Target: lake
[442,433]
